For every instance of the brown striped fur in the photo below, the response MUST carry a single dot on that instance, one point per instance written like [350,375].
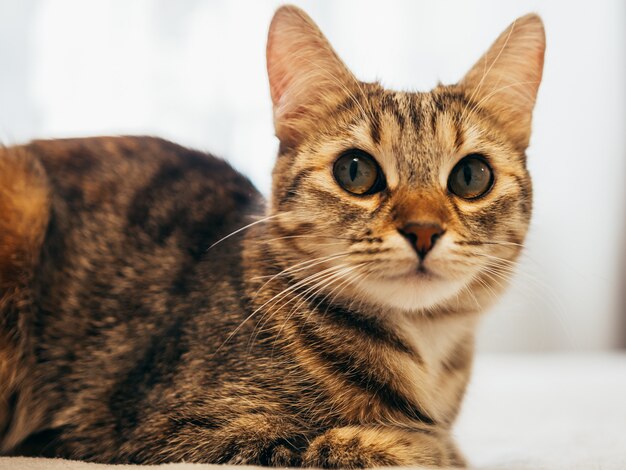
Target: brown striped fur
[141,322]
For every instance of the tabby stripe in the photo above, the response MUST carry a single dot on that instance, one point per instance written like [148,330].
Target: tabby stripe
[291,191]
[349,213]
[458,138]
[460,358]
[370,327]
[346,105]
[156,365]
[437,109]
[459,212]
[414,114]
[369,251]
[390,105]
[524,187]
[375,127]
[347,367]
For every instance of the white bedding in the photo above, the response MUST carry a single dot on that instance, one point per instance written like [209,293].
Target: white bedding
[521,412]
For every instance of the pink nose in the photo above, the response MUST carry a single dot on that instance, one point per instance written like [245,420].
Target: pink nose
[422,237]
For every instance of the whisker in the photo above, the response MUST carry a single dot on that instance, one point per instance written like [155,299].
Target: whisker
[489,242]
[345,284]
[288,237]
[312,292]
[265,219]
[283,292]
[270,313]
[290,270]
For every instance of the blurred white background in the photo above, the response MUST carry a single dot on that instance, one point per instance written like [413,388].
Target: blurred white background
[194,71]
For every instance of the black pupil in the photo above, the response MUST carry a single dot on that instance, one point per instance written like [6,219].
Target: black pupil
[354,166]
[470,178]
[357,172]
[467,174]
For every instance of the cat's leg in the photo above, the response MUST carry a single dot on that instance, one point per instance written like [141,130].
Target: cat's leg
[262,440]
[270,439]
[365,447]
[24,212]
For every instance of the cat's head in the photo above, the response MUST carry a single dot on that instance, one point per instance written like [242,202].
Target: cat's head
[407,200]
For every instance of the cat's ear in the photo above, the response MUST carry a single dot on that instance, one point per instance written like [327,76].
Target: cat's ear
[505,80]
[305,73]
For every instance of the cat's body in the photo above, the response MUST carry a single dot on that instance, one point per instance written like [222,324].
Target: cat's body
[132,330]
[122,338]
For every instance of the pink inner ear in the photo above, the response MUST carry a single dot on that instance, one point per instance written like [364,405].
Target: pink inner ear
[300,61]
[506,78]
[275,70]
[515,57]
[277,89]
[290,34]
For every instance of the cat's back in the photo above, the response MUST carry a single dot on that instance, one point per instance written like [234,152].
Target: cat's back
[133,212]
[146,176]
[115,228]
[145,188]
[121,219]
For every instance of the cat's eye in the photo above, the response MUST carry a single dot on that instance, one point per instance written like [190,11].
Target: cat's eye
[358,173]
[471,178]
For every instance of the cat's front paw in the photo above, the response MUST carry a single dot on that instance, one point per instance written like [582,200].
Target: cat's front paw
[356,447]
[346,448]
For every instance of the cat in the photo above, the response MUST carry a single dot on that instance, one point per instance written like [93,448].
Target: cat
[153,308]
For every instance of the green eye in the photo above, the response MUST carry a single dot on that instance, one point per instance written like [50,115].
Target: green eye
[471,178]
[358,173]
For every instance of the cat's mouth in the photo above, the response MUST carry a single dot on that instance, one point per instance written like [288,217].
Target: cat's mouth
[422,272]
[419,287]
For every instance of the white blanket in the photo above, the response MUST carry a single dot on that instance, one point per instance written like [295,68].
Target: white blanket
[527,412]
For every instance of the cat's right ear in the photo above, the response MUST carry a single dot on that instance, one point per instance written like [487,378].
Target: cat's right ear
[506,78]
[305,73]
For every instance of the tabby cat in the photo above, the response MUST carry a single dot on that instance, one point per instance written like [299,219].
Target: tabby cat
[153,308]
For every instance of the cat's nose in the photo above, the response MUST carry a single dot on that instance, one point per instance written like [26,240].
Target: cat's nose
[422,237]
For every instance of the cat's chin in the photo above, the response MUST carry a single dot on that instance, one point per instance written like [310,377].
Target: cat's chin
[421,291]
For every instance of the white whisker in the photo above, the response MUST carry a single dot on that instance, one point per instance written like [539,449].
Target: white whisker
[265,219]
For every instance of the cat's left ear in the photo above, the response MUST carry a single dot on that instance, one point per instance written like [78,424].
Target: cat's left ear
[305,73]
[505,80]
